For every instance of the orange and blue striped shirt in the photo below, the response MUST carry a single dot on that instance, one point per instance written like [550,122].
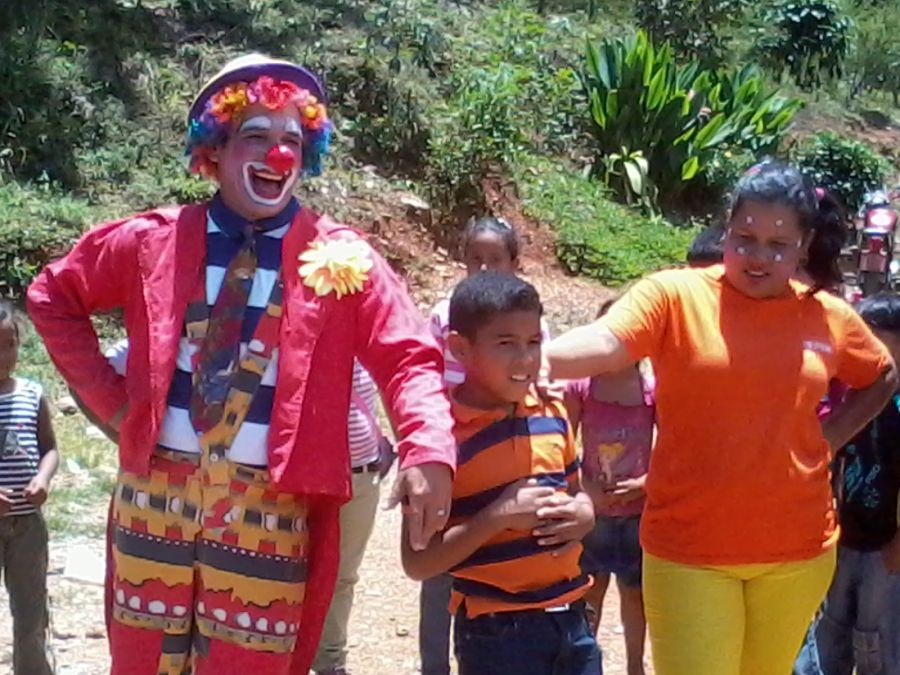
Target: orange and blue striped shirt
[511,572]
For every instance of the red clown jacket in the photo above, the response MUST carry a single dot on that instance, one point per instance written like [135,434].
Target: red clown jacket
[148,265]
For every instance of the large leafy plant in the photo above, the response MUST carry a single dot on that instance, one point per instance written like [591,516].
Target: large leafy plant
[811,40]
[677,117]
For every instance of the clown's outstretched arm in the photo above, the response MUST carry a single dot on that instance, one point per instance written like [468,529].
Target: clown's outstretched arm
[93,277]
[396,347]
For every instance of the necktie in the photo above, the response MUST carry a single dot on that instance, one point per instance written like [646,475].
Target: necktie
[220,352]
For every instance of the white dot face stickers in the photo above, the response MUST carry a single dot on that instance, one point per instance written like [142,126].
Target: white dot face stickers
[778,257]
[779,223]
[741,250]
[749,220]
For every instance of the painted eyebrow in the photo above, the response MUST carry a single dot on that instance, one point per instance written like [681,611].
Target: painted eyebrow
[292,127]
[256,124]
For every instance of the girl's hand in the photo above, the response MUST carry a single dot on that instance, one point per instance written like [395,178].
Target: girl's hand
[628,490]
[37,490]
[5,501]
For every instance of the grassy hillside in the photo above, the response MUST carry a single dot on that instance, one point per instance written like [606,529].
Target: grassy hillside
[434,93]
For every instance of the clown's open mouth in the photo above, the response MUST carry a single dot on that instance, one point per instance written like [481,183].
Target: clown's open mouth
[266,186]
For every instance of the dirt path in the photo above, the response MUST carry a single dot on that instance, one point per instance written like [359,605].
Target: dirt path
[383,628]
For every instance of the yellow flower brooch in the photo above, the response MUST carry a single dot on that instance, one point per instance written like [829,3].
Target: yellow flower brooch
[337,265]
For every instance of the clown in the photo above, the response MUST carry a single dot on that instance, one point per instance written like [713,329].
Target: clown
[244,315]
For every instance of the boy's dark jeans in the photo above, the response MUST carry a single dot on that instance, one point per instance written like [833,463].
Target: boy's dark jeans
[531,642]
[23,564]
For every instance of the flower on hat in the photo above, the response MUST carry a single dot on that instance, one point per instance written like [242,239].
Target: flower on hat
[339,265]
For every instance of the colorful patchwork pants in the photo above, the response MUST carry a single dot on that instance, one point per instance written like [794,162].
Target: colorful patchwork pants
[209,570]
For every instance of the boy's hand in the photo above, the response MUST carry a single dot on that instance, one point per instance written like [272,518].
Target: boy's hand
[36,491]
[516,508]
[891,555]
[569,519]
[5,501]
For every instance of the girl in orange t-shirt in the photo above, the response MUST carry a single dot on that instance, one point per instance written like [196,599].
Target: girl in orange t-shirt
[739,526]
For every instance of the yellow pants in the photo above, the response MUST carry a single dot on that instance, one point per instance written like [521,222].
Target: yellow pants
[731,620]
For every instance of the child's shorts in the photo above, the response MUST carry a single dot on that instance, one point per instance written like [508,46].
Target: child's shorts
[614,547]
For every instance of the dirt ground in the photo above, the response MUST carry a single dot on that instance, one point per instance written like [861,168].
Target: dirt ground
[383,629]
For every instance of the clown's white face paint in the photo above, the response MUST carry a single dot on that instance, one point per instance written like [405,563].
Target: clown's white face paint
[247,183]
[292,126]
[259,178]
[258,123]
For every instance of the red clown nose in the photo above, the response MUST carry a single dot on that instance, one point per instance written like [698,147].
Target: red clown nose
[280,159]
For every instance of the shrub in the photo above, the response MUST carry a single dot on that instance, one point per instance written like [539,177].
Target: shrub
[844,166]
[38,225]
[811,40]
[596,236]
[874,62]
[480,128]
[692,27]
[676,116]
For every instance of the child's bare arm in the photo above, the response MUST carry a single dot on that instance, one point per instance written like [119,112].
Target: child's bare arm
[448,548]
[36,491]
[574,408]
[515,509]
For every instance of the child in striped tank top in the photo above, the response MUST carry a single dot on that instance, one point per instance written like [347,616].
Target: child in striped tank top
[28,460]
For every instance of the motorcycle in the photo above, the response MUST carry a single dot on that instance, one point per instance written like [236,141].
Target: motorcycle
[876,266]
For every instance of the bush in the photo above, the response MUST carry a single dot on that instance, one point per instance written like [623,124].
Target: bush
[479,130]
[38,225]
[811,40]
[874,62]
[596,236]
[692,27]
[844,166]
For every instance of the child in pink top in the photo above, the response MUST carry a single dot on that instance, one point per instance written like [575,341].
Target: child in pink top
[616,413]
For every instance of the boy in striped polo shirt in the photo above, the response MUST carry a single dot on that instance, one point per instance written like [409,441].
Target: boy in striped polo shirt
[518,513]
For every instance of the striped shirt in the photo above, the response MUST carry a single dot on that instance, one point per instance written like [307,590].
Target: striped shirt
[362,424]
[20,455]
[454,373]
[251,443]
[511,572]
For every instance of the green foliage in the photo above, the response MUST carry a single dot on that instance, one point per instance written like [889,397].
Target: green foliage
[811,40]
[694,28]
[677,116]
[38,225]
[846,167]
[874,62]
[596,236]
[627,173]
[480,130]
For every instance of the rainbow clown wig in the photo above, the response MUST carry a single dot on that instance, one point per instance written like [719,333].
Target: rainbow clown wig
[219,108]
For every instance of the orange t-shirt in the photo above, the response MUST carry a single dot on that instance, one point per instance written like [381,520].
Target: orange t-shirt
[740,471]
